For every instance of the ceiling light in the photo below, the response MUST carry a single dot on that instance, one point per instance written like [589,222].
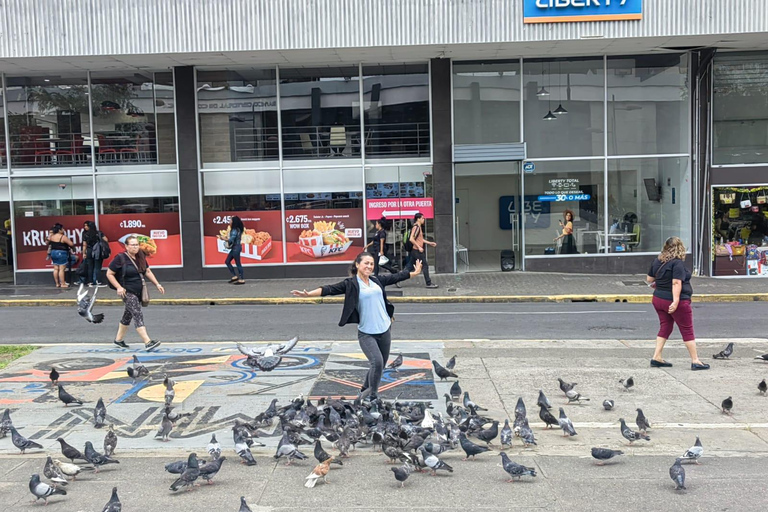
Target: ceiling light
[560,110]
[542,92]
[550,116]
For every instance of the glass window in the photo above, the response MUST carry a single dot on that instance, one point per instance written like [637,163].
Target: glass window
[48,120]
[564,104]
[396,102]
[133,121]
[648,104]
[734,229]
[238,116]
[486,102]
[555,189]
[320,112]
[740,108]
[3,146]
[649,200]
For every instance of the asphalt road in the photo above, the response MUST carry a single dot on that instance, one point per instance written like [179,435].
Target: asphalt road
[413,321]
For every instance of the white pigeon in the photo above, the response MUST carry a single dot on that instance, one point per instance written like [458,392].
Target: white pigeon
[695,452]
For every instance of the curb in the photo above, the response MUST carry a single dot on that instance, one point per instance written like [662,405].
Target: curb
[444,299]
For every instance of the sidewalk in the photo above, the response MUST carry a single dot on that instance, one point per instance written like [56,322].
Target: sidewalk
[478,287]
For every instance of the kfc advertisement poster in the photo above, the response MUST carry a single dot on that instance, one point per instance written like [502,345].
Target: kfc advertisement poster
[323,235]
[261,243]
[31,234]
[159,235]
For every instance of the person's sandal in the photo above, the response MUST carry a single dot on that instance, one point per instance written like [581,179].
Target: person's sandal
[121,344]
[233,279]
[153,344]
[696,367]
[240,281]
[660,364]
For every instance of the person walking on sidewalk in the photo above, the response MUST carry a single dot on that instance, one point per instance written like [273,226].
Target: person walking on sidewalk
[379,248]
[94,245]
[419,251]
[366,304]
[126,274]
[236,229]
[59,246]
[672,301]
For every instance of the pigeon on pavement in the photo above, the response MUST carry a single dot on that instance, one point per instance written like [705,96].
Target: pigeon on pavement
[677,474]
[442,372]
[21,442]
[269,357]
[96,458]
[41,490]
[99,414]
[165,428]
[53,473]
[547,417]
[137,370]
[397,363]
[210,469]
[322,456]
[727,405]
[468,402]
[5,423]
[170,393]
[543,400]
[525,433]
[70,452]
[565,386]
[320,471]
[574,396]
[177,467]
[506,434]
[630,435]
[695,452]
[520,408]
[402,473]
[762,387]
[470,448]
[214,448]
[488,434]
[54,376]
[451,363]
[604,454]
[71,469]
[242,449]
[110,441]
[190,474]
[433,462]
[455,390]
[244,506]
[85,305]
[763,357]
[608,404]
[286,448]
[515,470]
[628,383]
[642,422]
[566,424]
[113,505]
[725,353]
[65,397]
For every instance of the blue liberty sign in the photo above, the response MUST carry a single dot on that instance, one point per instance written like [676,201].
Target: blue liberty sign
[559,11]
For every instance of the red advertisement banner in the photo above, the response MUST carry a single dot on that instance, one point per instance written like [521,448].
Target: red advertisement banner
[262,244]
[323,235]
[159,235]
[31,234]
[400,208]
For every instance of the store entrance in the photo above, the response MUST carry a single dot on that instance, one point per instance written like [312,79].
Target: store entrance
[487,219]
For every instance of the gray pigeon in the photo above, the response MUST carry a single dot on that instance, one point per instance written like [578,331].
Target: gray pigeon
[110,441]
[287,449]
[402,473]
[65,397]
[695,452]
[5,423]
[520,411]
[608,404]
[96,458]
[21,442]
[525,433]
[69,451]
[175,416]
[242,449]
[214,448]
[574,396]
[397,363]
[630,435]
[433,462]
[604,454]
[177,467]
[113,505]
[138,370]
[455,390]
[244,506]
[725,353]
[763,357]
[266,358]
[515,470]
[642,422]
[210,469]
[727,405]
[451,363]
[566,424]
[628,383]
[99,414]
[543,400]
[190,474]
[677,474]
[469,403]
[762,387]
[170,393]
[470,448]
[53,473]
[165,428]
[85,305]
[41,490]
[441,372]
[547,417]
[565,386]
[506,434]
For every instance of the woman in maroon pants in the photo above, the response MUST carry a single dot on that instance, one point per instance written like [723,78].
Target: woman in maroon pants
[672,301]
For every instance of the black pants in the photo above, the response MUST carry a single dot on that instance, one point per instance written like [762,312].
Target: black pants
[420,256]
[376,349]
[92,269]
[376,265]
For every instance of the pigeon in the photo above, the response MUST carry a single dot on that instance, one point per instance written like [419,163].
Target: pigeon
[470,448]
[397,363]
[565,386]
[433,462]
[210,469]
[287,449]
[21,442]
[5,423]
[642,422]
[488,434]
[574,396]
[244,506]
[506,434]
[43,491]
[266,358]
[695,452]
[543,400]
[190,474]
[320,471]
[70,452]
[214,448]
[96,458]
[402,473]
[53,473]
[604,454]
[515,470]
[677,474]
[54,376]
[525,433]
[725,353]
[763,357]
[71,469]
[442,372]
[436,448]
[176,468]
[608,404]
[451,364]
[170,393]
[99,413]
[322,456]
[165,428]
[113,505]
[469,403]
[455,390]
[85,305]
[67,398]
[547,417]
[628,383]
[175,416]
[566,424]
[727,405]
[520,411]
[138,370]
[762,387]
[110,441]
[242,449]
[630,435]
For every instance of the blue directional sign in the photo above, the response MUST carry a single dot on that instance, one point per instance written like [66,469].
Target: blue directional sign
[559,11]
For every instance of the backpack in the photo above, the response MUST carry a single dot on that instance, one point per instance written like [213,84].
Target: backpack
[407,245]
[101,249]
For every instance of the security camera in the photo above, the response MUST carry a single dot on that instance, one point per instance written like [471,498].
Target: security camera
[62,186]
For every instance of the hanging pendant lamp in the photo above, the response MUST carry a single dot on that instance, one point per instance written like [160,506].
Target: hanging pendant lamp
[560,110]
[550,116]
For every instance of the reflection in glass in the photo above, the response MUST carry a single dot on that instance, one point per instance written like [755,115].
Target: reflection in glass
[238,115]
[320,112]
[396,100]
[44,197]
[648,104]
[740,108]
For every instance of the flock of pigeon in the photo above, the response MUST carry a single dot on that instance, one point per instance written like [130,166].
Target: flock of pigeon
[405,431]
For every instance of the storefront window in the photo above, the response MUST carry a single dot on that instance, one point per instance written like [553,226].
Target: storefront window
[486,102]
[649,200]
[740,231]
[254,196]
[238,116]
[48,120]
[3,143]
[564,104]
[648,104]
[320,112]
[740,109]
[396,100]
[38,204]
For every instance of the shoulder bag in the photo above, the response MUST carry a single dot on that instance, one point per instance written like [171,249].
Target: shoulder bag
[144,291]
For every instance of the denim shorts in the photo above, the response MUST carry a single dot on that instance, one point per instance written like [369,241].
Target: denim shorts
[59,257]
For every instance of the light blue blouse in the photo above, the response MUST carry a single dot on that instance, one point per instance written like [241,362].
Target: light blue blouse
[373,312]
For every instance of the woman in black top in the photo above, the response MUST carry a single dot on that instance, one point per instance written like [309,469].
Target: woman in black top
[672,301]
[126,274]
[92,236]
[378,247]
[59,247]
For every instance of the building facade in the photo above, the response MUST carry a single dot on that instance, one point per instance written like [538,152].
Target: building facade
[309,119]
